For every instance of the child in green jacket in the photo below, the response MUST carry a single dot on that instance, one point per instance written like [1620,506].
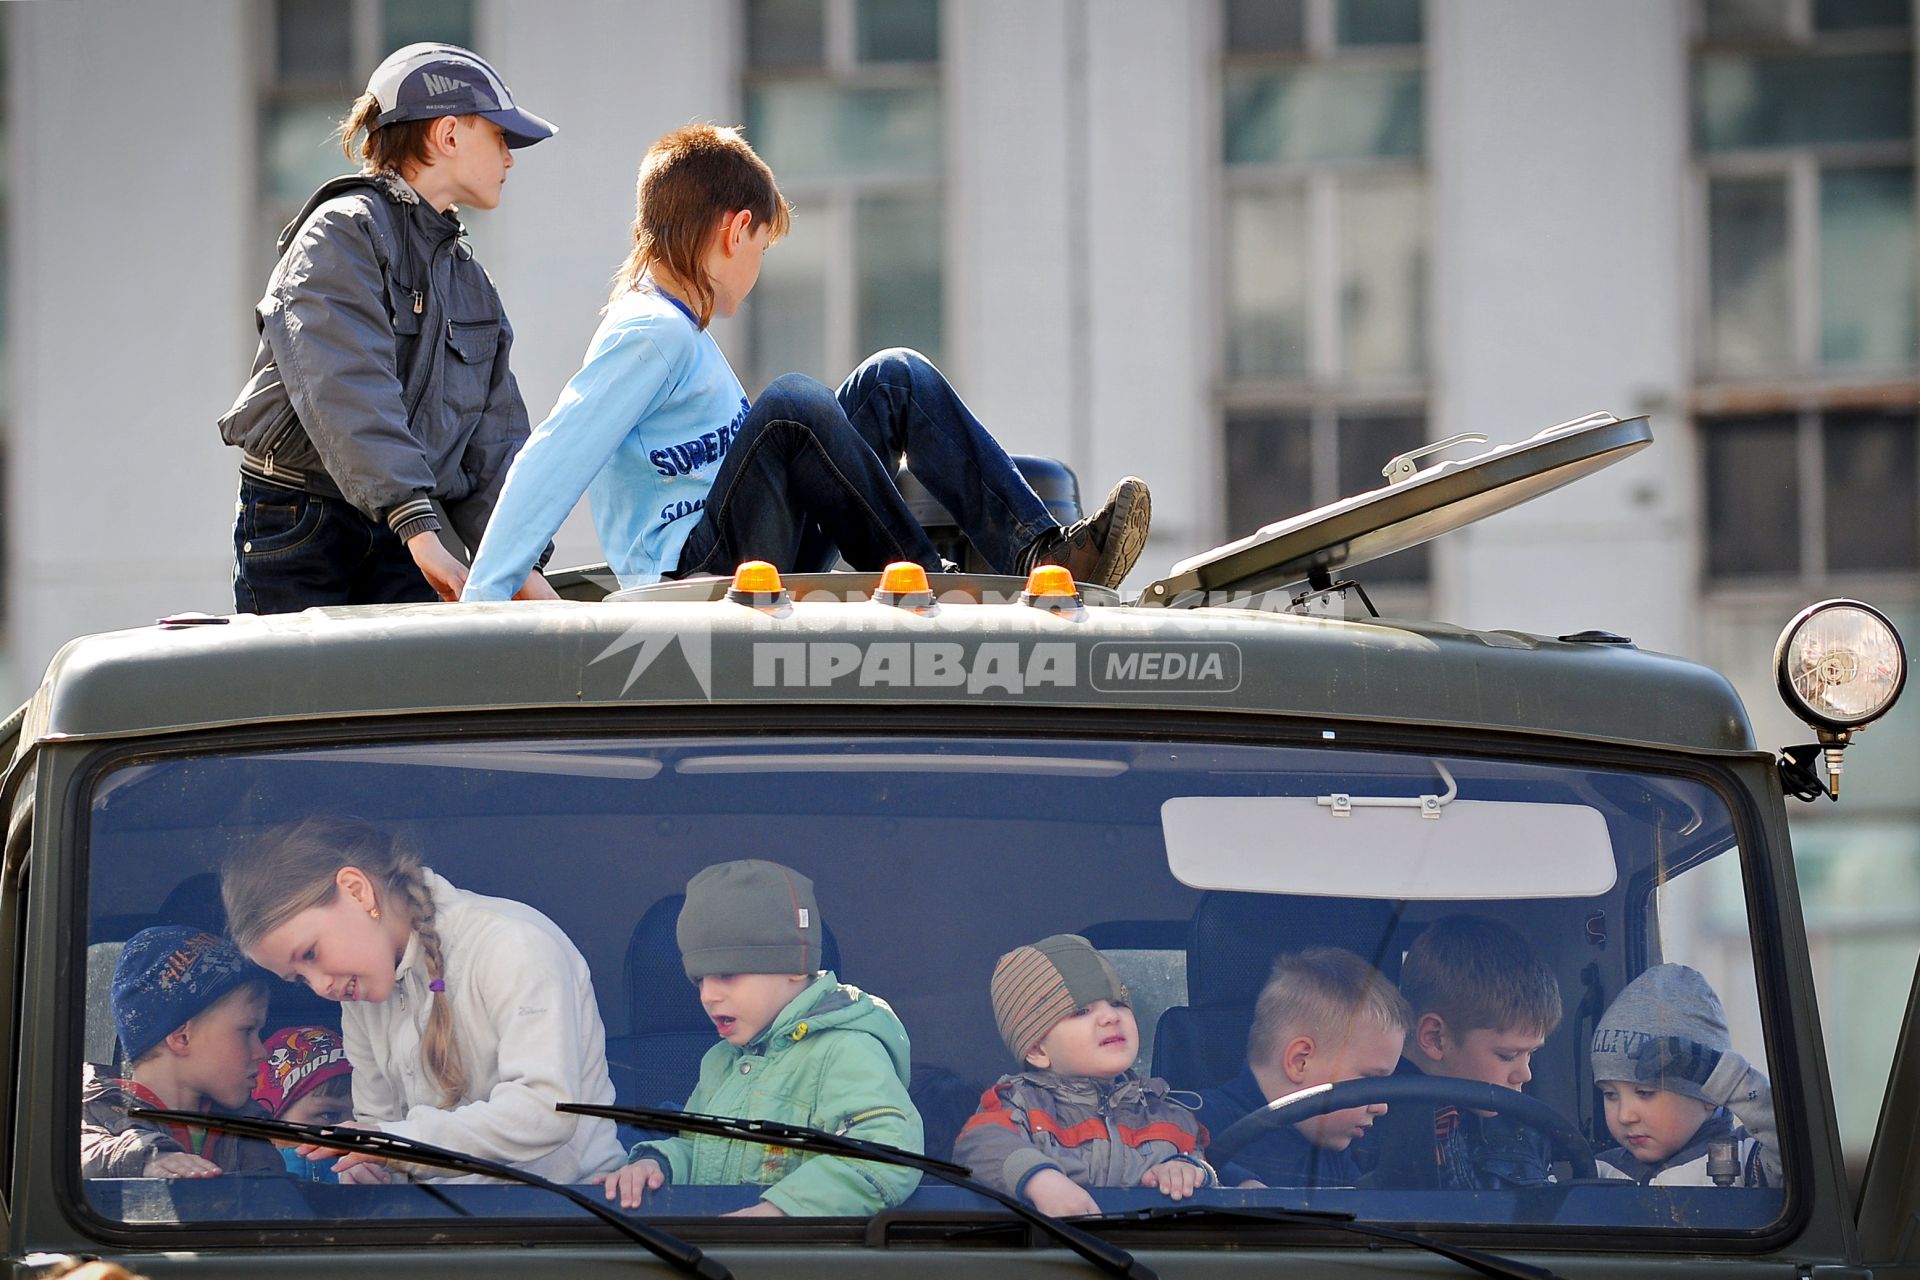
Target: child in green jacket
[797,1046]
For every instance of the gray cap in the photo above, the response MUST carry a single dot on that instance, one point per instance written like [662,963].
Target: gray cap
[1666,1029]
[427,81]
[750,916]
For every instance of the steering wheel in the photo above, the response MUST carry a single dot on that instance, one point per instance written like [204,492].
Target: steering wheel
[1394,1090]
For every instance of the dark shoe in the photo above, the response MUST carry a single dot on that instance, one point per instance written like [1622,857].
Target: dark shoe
[1100,549]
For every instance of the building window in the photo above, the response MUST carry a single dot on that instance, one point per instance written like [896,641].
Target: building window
[322,52]
[1808,352]
[842,100]
[1324,246]
[1807,371]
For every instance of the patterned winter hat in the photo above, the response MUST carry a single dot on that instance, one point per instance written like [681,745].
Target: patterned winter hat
[1034,987]
[299,1060]
[167,976]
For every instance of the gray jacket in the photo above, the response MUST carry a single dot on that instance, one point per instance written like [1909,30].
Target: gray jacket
[382,371]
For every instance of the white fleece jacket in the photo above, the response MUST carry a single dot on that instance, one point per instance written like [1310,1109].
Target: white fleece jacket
[528,1029]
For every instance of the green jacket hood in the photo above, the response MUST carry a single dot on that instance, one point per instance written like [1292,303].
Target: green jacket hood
[827,1004]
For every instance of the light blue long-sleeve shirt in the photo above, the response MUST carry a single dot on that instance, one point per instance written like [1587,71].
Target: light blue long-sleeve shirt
[642,430]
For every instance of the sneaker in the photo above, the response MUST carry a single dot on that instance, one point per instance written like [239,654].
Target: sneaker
[1100,549]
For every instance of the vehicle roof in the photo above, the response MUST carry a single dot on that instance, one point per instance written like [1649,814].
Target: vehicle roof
[415,659]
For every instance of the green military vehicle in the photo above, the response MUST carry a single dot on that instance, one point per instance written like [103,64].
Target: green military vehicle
[1218,772]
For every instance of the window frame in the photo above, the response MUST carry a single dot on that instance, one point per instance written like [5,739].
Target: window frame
[833,203]
[1324,393]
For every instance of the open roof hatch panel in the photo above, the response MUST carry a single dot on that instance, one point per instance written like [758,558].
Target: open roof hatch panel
[1367,526]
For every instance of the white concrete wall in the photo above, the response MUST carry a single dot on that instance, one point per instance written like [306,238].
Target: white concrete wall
[613,75]
[1558,154]
[127,311]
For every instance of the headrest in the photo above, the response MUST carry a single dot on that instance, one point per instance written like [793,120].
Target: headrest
[1235,936]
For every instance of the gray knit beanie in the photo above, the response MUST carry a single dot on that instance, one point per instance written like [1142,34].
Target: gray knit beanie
[1669,1002]
[749,916]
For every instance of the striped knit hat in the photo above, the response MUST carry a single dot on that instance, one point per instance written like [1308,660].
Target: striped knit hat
[1035,987]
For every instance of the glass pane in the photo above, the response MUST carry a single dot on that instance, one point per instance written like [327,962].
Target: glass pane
[1365,445]
[301,151]
[786,33]
[1787,100]
[1750,283]
[1873,514]
[810,132]
[898,242]
[313,42]
[786,313]
[1322,113]
[1269,470]
[578,854]
[1732,19]
[1867,269]
[1266,26]
[1383,280]
[1266,284]
[1378,22]
[414,21]
[1753,495]
[897,30]
[1855,15]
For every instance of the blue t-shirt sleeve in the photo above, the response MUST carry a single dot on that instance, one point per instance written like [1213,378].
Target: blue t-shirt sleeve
[626,377]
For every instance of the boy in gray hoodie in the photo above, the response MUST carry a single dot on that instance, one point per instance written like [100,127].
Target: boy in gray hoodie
[1673,1089]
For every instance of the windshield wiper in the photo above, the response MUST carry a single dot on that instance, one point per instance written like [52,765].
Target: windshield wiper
[668,1248]
[1487,1264]
[771,1133]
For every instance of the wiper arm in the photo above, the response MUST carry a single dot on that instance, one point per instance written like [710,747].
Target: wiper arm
[1109,1258]
[667,1247]
[1478,1260]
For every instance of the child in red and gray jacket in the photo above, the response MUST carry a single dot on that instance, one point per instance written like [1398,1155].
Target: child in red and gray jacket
[1078,1115]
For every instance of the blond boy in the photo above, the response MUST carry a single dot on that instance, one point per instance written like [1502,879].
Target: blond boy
[1324,1016]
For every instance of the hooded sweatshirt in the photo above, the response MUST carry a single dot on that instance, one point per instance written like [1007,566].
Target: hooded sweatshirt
[835,1058]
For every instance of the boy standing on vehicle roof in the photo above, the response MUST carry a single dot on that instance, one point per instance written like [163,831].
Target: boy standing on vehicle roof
[1668,1077]
[797,1046]
[1324,1016]
[1076,1115]
[381,384]
[187,1007]
[1483,1003]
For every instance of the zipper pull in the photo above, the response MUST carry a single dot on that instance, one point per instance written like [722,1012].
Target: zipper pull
[419,302]
[269,464]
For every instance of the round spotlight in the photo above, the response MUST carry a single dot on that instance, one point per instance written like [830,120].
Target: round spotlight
[1840,665]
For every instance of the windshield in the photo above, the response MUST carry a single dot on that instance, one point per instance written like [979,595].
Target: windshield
[1082,968]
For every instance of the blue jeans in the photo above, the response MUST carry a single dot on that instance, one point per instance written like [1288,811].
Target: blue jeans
[294,550]
[810,476]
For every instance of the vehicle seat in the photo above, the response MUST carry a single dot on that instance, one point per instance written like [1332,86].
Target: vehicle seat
[657,1063]
[1230,949]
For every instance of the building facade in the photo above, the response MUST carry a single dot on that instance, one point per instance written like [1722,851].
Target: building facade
[1248,249]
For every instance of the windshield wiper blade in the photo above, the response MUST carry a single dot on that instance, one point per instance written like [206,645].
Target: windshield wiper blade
[1486,1264]
[663,1245]
[771,1133]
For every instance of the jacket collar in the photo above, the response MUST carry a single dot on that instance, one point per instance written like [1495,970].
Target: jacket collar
[1719,1125]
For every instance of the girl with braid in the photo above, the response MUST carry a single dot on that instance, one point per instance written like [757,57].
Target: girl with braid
[466,1018]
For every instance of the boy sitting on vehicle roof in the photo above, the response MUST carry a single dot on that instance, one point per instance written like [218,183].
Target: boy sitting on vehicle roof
[188,1008]
[1077,1116]
[1324,1016]
[1483,1003]
[798,1046]
[1669,1077]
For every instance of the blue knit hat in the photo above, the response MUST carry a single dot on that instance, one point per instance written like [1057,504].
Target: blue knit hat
[167,976]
